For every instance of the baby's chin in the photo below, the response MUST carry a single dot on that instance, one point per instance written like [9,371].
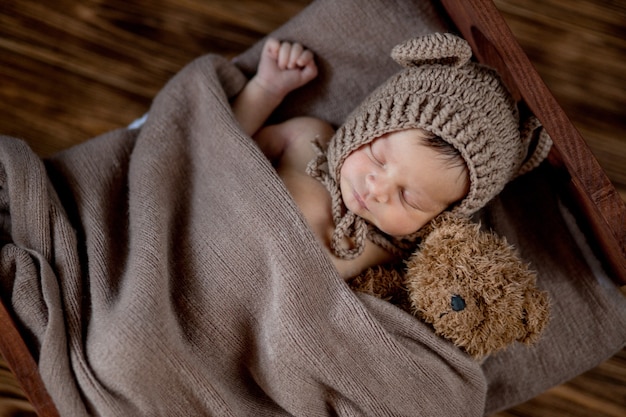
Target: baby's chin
[394,232]
[398,235]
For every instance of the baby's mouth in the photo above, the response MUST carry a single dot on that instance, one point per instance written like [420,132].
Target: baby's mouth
[359,200]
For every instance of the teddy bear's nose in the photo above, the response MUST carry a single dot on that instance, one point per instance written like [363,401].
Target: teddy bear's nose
[457,303]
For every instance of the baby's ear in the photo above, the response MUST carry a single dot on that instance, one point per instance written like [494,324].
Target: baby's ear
[536,309]
[435,48]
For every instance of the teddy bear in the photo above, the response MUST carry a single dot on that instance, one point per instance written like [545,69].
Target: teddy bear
[470,285]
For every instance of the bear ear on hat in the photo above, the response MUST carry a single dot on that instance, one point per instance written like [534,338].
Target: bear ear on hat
[435,48]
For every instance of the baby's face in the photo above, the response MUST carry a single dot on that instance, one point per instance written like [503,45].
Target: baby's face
[398,183]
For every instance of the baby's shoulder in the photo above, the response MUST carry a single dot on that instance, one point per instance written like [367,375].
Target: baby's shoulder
[308,127]
[296,137]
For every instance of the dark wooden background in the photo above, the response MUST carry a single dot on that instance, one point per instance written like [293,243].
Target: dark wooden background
[73,69]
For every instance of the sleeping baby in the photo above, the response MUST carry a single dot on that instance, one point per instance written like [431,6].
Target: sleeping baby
[441,134]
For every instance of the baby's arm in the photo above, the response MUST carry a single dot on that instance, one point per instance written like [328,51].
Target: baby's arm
[283,67]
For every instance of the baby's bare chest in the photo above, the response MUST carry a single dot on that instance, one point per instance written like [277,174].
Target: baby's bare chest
[312,199]
[310,195]
[315,204]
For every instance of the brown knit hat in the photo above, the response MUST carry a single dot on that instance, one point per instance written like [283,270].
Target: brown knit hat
[443,92]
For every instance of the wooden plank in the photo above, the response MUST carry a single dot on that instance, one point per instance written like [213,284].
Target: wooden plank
[22,364]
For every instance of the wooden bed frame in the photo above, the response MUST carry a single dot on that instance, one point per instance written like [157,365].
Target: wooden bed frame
[586,189]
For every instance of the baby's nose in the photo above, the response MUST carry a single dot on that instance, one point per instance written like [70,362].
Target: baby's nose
[379,187]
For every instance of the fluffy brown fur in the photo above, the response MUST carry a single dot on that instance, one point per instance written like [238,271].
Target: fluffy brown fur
[470,285]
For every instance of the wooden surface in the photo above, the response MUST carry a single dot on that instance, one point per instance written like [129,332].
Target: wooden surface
[15,351]
[72,69]
[579,48]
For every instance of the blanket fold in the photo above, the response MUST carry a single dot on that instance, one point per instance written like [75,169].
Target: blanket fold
[167,271]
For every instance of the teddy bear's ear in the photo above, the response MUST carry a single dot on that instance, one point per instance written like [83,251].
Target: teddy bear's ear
[536,309]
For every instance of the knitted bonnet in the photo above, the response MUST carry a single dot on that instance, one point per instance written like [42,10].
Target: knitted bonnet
[441,91]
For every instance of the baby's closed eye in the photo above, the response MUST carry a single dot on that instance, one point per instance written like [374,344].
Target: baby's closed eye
[376,154]
[409,199]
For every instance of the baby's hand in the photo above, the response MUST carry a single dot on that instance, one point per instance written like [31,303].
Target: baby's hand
[285,66]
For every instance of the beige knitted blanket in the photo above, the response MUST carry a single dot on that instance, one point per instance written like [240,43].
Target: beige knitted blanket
[166,271]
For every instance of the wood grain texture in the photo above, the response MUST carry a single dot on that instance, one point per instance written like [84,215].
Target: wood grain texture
[73,69]
[16,352]
[578,47]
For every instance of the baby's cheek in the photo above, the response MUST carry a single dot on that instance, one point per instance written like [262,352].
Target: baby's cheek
[398,224]
[412,222]
[355,163]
